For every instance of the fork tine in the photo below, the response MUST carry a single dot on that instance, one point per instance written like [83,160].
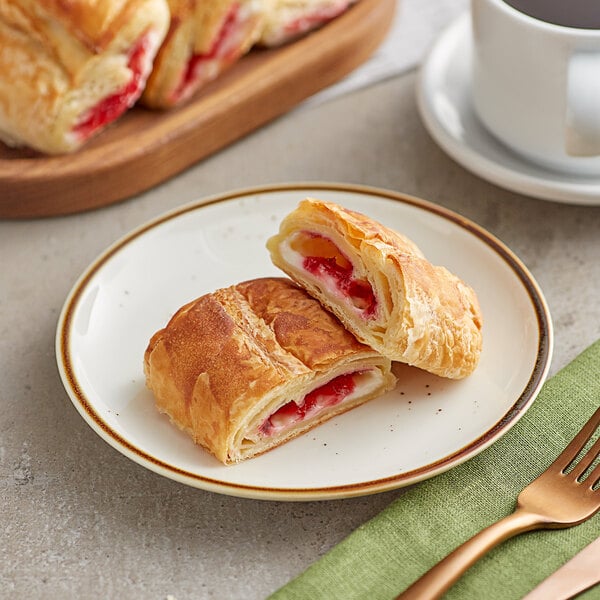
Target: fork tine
[569,454]
[595,473]
[586,460]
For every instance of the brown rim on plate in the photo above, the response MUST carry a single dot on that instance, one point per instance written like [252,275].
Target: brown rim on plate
[517,409]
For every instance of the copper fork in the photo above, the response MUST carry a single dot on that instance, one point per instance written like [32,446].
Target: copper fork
[566,494]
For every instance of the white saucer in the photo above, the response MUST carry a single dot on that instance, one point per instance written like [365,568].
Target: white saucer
[444,99]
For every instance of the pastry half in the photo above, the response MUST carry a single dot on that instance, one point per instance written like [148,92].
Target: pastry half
[68,68]
[205,37]
[382,288]
[249,367]
[287,20]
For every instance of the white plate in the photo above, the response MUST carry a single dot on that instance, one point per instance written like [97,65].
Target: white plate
[425,426]
[444,100]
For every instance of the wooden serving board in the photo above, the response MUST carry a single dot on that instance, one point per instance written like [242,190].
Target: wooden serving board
[147,147]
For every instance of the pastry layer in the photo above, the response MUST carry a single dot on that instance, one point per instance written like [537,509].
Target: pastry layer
[379,284]
[70,67]
[247,368]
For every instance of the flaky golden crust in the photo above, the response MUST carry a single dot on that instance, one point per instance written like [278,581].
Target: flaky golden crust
[210,35]
[228,360]
[60,58]
[424,315]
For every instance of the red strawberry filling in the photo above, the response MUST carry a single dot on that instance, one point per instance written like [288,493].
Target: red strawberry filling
[322,258]
[113,106]
[330,394]
[224,50]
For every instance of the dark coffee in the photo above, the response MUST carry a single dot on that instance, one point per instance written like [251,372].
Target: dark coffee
[583,14]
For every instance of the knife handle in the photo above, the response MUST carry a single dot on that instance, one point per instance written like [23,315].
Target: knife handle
[445,573]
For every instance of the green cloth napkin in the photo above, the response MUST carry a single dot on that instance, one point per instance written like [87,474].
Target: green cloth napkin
[386,554]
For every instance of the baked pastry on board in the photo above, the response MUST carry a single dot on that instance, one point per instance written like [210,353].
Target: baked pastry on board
[205,37]
[287,20]
[382,288]
[68,68]
[246,368]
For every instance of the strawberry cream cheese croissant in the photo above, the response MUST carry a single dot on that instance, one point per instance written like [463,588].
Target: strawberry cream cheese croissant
[205,37]
[68,68]
[382,288]
[249,367]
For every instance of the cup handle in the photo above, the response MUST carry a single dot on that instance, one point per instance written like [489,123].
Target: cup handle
[583,105]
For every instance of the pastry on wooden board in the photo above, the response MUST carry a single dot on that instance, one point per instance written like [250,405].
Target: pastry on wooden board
[204,38]
[68,68]
[382,288]
[246,368]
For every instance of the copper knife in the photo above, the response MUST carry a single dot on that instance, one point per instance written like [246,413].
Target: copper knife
[575,576]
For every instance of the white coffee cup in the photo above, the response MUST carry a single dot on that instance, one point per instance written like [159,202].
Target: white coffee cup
[536,86]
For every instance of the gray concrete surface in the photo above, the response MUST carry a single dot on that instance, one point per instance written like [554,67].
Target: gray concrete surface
[78,519]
